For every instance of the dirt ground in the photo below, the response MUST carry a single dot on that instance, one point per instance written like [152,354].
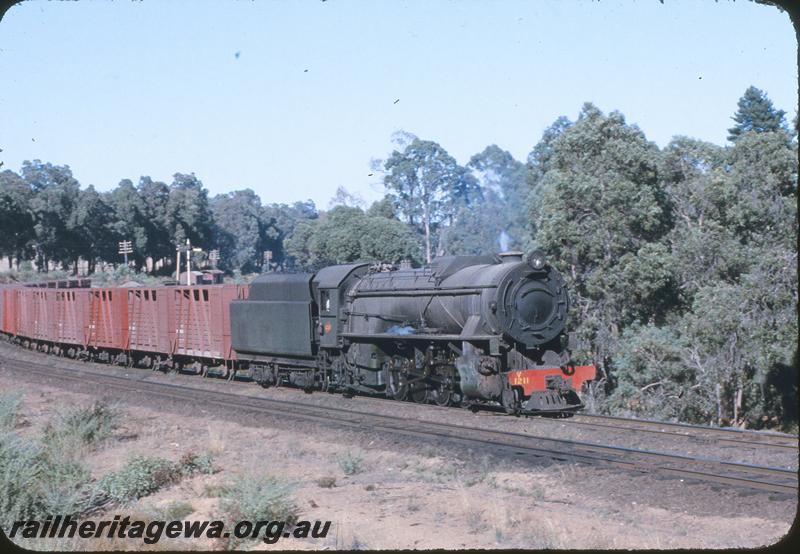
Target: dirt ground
[407,496]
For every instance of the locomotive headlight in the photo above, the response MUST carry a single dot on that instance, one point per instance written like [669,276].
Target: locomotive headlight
[536,259]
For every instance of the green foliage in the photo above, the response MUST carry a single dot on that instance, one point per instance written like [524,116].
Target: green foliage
[9,410]
[282,221]
[350,462]
[82,426]
[475,230]
[598,207]
[192,463]
[40,479]
[16,221]
[240,233]
[505,191]
[175,511]
[21,470]
[427,186]
[55,196]
[139,477]
[757,114]
[258,498]
[144,475]
[346,234]
[384,208]
[682,264]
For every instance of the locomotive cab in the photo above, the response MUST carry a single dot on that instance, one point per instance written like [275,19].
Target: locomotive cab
[331,284]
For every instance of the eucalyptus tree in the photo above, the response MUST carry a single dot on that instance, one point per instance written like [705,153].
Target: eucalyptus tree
[503,180]
[55,193]
[346,234]
[427,186]
[239,231]
[16,221]
[600,207]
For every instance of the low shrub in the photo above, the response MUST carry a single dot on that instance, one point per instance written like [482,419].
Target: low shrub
[82,426]
[139,477]
[36,481]
[259,498]
[175,511]
[9,410]
[192,463]
[326,482]
[350,463]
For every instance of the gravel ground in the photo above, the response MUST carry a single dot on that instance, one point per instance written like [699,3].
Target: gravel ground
[408,493]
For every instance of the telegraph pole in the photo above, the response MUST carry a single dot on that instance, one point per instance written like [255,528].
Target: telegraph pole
[178,264]
[188,262]
[125,248]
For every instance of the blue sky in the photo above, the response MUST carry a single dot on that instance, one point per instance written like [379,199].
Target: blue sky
[118,90]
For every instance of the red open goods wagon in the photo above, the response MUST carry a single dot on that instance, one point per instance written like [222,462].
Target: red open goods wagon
[71,315]
[148,320]
[35,313]
[107,325]
[4,308]
[200,320]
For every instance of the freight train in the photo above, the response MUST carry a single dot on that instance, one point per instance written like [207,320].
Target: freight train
[464,331]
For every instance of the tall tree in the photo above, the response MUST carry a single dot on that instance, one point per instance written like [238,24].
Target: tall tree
[239,231]
[91,226]
[540,158]
[280,221]
[346,234]
[428,186]
[476,230]
[188,215]
[55,195]
[154,196]
[756,113]
[16,223]
[344,197]
[130,220]
[505,195]
[600,206]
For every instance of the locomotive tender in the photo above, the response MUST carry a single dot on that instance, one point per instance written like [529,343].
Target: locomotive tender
[468,328]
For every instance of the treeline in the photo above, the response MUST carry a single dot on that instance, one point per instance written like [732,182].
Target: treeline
[681,261]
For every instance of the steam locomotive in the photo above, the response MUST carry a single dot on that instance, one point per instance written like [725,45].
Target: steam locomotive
[467,330]
[474,329]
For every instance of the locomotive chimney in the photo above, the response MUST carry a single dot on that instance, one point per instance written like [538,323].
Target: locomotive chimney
[510,257]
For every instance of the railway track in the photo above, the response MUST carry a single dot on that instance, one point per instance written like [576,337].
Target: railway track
[697,433]
[519,445]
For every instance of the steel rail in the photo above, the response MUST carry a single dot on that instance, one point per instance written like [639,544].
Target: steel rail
[698,433]
[515,443]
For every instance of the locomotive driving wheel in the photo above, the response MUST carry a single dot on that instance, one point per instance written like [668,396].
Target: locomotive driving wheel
[396,387]
[445,392]
[419,392]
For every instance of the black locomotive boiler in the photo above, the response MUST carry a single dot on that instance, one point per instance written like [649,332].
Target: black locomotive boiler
[467,329]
